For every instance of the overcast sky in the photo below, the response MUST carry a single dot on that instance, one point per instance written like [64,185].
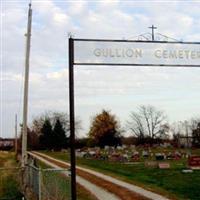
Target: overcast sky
[119,89]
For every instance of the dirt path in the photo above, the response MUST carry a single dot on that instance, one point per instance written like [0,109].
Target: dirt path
[121,189]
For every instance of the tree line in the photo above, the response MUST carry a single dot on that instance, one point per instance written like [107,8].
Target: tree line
[50,131]
[146,125]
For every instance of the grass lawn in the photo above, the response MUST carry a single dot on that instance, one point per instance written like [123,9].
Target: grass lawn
[170,182]
[9,188]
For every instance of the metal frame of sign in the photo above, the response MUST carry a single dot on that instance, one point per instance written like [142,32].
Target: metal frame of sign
[136,41]
[71,91]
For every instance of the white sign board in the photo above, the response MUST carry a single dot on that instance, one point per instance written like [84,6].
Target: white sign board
[136,53]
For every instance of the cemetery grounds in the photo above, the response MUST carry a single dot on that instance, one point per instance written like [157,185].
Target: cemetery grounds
[172,182]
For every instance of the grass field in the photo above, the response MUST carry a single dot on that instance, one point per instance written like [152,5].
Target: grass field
[9,188]
[170,182]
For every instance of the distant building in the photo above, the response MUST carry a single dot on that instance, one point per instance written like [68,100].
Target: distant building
[6,143]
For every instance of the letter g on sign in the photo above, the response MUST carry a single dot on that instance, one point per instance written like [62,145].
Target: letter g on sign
[97,52]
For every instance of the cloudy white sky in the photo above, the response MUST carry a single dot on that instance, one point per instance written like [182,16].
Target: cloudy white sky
[119,89]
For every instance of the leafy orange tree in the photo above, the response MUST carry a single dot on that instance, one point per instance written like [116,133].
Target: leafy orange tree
[105,129]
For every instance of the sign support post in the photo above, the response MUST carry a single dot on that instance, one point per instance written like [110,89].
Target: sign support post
[72,118]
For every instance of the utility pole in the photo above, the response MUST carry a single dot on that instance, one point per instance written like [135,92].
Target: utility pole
[16,134]
[26,81]
[152,30]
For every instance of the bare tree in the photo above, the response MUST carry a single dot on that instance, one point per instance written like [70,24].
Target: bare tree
[196,136]
[135,125]
[184,128]
[193,123]
[148,121]
[176,130]
[183,131]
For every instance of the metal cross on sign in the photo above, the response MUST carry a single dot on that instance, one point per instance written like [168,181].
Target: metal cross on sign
[152,29]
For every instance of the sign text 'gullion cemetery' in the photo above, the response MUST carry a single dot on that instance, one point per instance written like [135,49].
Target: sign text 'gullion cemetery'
[136,53]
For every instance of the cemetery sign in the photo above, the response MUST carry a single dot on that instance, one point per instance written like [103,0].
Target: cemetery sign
[136,53]
[124,53]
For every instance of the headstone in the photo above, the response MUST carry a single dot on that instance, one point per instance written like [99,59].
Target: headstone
[97,148]
[132,146]
[136,153]
[187,171]
[194,162]
[152,154]
[115,157]
[106,147]
[64,150]
[177,155]
[166,145]
[119,147]
[145,154]
[135,156]
[159,156]
[103,156]
[124,157]
[164,165]
[151,164]
[81,154]
[169,156]
[188,154]
[92,152]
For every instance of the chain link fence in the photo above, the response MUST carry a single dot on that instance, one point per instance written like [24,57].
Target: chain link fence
[35,183]
[55,184]
[47,184]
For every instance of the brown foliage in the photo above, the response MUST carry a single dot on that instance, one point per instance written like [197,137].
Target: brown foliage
[104,129]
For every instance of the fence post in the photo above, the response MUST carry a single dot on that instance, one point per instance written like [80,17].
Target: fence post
[40,184]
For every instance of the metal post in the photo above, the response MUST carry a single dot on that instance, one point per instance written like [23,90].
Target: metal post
[39,184]
[16,135]
[26,81]
[152,33]
[72,118]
